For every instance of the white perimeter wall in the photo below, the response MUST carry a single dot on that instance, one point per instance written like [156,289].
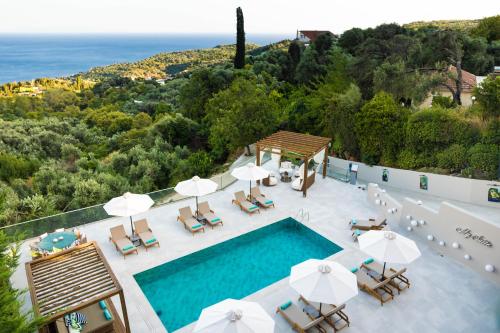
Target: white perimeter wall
[451,230]
[455,188]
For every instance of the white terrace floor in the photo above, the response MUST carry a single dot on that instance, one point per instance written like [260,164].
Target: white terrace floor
[445,296]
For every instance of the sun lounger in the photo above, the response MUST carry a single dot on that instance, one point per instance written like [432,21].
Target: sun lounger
[370,224]
[299,320]
[121,240]
[377,289]
[190,223]
[145,234]
[398,280]
[260,198]
[334,315]
[358,232]
[247,206]
[208,214]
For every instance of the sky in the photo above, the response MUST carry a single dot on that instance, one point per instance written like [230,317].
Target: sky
[218,16]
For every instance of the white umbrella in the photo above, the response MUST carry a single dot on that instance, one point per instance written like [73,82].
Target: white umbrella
[196,187]
[234,316]
[128,204]
[388,247]
[323,281]
[250,172]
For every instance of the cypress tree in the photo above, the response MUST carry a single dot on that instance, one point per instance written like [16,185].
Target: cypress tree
[239,59]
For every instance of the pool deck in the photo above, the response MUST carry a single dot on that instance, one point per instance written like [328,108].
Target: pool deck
[445,296]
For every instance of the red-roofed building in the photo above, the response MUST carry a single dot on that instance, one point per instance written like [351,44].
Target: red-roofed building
[309,36]
[469,82]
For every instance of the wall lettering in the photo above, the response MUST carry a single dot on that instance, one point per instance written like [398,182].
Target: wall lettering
[468,234]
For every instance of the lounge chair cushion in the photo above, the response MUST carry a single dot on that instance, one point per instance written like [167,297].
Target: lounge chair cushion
[286,305]
[196,226]
[215,220]
[353,221]
[354,270]
[268,202]
[107,314]
[253,207]
[368,261]
[103,305]
[128,247]
[357,232]
[152,240]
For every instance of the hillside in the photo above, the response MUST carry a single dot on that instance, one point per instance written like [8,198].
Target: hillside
[461,25]
[163,64]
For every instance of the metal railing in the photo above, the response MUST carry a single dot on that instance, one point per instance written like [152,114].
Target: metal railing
[82,216]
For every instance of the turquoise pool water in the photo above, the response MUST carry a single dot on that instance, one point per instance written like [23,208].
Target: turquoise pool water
[178,290]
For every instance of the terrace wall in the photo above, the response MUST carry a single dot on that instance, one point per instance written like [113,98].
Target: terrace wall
[467,190]
[451,230]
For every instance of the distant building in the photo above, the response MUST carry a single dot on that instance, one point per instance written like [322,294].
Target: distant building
[496,71]
[309,36]
[469,82]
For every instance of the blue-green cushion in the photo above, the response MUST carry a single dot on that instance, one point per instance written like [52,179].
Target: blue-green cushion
[196,226]
[103,305]
[107,314]
[269,202]
[353,221]
[253,207]
[357,232]
[354,270]
[368,261]
[152,240]
[286,305]
[128,247]
[215,220]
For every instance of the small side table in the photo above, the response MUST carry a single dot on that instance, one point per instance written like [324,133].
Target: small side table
[135,240]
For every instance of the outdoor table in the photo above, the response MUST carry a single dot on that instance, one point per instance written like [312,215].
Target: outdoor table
[48,243]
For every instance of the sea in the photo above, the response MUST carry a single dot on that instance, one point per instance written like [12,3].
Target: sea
[25,57]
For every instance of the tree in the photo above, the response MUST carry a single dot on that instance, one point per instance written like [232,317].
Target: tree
[12,319]
[379,127]
[241,115]
[295,52]
[489,28]
[351,39]
[239,59]
[488,96]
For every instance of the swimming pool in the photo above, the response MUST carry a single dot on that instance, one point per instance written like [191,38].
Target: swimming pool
[178,290]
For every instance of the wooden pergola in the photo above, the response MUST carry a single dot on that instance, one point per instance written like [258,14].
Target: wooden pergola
[72,280]
[295,145]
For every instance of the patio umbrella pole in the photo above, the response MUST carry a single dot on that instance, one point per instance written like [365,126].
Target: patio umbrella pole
[383,271]
[320,304]
[131,225]
[196,207]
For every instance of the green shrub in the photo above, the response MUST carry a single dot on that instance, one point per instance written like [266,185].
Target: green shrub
[408,159]
[453,158]
[443,101]
[492,133]
[483,160]
[379,127]
[434,129]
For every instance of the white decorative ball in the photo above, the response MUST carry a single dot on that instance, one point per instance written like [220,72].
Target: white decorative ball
[489,268]
[376,195]
[430,237]
[389,211]
[455,245]
[467,256]
[419,202]
[409,228]
[414,223]
[385,203]
[383,191]
[442,243]
[394,210]
[408,217]
[377,202]
[421,222]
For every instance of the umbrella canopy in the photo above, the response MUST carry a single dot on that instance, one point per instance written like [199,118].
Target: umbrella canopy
[388,246]
[323,281]
[234,316]
[128,204]
[250,172]
[196,187]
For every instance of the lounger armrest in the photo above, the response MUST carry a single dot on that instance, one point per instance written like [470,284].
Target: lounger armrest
[313,323]
[382,283]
